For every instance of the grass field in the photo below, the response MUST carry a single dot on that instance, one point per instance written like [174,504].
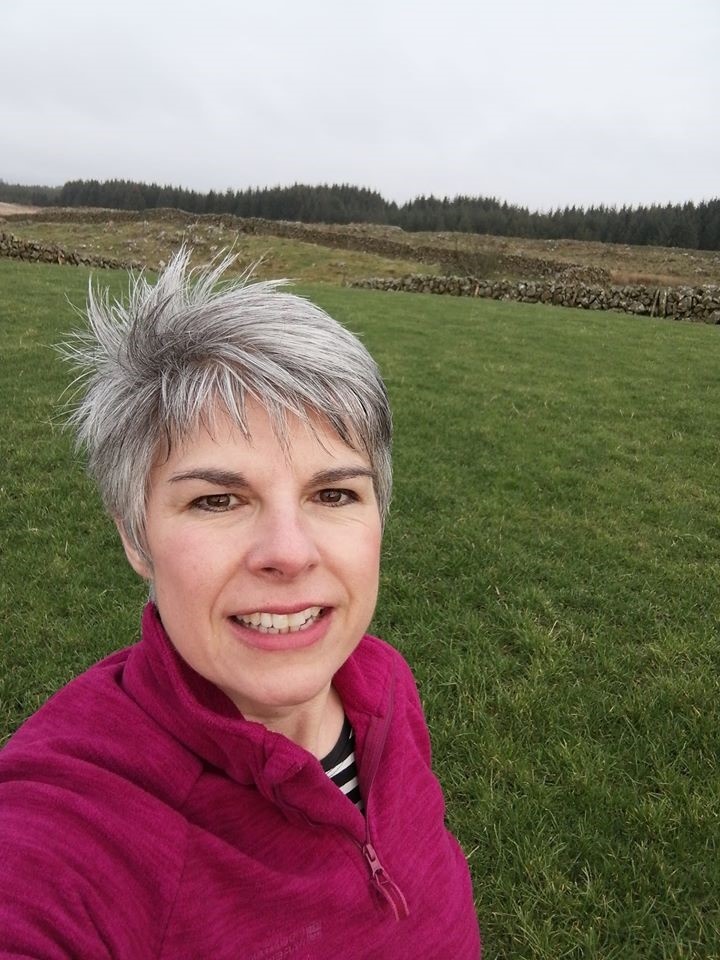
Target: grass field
[551,571]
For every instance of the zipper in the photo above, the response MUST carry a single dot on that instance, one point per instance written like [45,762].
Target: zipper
[377,745]
[379,878]
[390,891]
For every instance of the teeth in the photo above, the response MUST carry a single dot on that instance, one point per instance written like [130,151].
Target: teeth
[280,622]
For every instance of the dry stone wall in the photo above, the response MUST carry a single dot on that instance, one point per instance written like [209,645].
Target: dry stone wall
[701,304]
[18,249]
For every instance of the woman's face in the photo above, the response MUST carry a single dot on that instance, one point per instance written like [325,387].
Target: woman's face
[264,563]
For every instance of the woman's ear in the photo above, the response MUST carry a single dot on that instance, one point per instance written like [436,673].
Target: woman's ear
[136,559]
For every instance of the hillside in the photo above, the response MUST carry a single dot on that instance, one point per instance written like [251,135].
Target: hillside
[336,253]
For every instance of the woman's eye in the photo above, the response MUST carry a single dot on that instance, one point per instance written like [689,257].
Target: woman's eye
[336,498]
[215,502]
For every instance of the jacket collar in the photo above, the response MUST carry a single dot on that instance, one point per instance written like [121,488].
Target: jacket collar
[200,716]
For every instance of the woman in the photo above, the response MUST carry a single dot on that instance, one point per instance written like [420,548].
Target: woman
[252,778]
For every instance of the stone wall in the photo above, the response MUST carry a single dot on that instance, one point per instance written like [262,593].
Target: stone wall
[700,304]
[18,249]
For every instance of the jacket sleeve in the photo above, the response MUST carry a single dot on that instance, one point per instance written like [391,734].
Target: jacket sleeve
[48,903]
[71,886]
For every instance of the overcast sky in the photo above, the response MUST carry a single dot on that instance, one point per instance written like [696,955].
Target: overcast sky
[539,102]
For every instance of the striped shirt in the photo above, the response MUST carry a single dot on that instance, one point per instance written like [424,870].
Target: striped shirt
[340,766]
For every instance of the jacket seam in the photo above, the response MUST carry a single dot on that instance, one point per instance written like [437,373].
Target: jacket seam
[173,901]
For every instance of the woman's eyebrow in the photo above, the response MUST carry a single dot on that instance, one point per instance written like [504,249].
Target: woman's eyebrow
[338,474]
[229,478]
[219,478]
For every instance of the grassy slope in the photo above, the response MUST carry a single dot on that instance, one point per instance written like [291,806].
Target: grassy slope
[656,266]
[149,241]
[153,241]
[551,571]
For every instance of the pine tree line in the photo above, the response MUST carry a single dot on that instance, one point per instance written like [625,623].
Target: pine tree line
[690,225]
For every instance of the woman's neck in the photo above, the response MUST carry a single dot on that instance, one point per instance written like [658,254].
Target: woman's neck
[315,726]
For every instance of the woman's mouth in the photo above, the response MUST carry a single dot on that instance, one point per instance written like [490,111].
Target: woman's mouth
[279,623]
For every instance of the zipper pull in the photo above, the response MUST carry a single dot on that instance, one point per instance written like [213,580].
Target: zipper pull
[384,885]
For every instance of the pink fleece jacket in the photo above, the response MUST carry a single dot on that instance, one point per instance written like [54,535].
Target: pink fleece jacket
[142,817]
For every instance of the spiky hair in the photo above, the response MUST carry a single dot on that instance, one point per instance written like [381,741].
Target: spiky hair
[172,355]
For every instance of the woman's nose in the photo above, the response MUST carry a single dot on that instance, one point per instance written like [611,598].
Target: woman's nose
[284,544]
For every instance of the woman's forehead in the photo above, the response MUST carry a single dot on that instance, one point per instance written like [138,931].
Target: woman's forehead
[262,435]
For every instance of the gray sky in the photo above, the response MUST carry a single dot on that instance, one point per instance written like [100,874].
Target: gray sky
[538,102]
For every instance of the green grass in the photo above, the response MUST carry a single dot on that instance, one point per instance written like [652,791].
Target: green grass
[551,572]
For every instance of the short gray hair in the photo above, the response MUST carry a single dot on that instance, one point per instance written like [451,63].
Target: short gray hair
[152,368]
